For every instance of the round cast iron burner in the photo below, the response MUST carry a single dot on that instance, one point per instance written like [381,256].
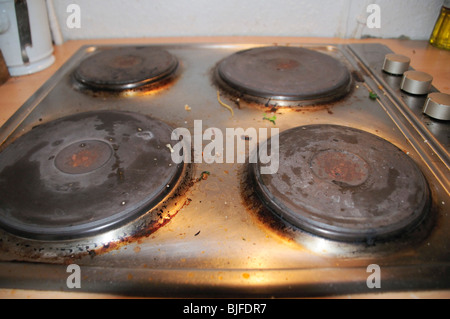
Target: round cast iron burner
[285,73]
[84,174]
[125,67]
[343,184]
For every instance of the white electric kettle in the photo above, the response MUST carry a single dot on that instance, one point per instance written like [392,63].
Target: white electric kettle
[25,37]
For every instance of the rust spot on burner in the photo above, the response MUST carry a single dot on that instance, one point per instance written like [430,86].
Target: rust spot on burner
[341,167]
[285,64]
[83,157]
[126,61]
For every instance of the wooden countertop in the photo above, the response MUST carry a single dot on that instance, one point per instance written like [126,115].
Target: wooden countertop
[17,90]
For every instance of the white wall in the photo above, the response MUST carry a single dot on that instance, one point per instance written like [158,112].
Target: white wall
[312,18]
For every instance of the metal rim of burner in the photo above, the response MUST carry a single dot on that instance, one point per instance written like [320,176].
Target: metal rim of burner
[338,184]
[125,68]
[288,76]
[85,174]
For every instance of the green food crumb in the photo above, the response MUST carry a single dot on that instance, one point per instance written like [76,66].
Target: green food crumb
[271,119]
[373,96]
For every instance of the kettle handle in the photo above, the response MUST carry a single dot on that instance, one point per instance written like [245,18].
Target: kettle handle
[23,25]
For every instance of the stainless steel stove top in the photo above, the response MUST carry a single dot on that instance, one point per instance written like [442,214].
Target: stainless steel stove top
[211,235]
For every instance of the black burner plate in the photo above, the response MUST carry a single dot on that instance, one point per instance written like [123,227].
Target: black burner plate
[344,184]
[85,173]
[285,73]
[125,68]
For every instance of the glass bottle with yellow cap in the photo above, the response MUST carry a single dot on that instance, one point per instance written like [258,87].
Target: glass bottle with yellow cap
[441,33]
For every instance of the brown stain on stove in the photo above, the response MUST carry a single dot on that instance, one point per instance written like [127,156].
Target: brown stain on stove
[273,106]
[179,200]
[256,209]
[136,237]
